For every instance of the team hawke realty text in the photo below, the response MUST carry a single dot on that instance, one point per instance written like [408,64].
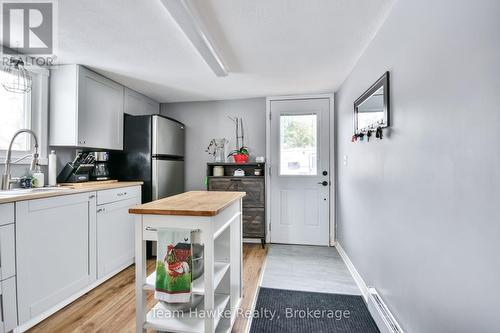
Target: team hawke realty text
[288,313]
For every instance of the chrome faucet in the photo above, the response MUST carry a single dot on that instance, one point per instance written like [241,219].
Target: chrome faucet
[6,177]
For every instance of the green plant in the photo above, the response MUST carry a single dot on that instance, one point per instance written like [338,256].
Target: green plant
[243,150]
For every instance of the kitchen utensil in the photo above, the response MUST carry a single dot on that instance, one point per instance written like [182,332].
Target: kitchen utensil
[183,307]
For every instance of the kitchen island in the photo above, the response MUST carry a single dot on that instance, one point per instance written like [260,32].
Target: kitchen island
[218,217]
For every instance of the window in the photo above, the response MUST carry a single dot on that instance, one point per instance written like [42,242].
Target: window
[15,114]
[298,145]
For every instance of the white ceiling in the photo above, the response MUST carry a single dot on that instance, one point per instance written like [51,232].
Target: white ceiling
[271,47]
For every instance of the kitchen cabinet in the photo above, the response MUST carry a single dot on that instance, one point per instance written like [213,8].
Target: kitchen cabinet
[137,104]
[55,251]
[8,306]
[115,236]
[86,109]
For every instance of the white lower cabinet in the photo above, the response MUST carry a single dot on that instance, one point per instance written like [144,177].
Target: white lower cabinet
[55,250]
[115,236]
[8,305]
[7,251]
[60,247]
[8,302]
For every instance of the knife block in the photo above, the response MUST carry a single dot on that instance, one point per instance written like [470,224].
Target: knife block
[75,173]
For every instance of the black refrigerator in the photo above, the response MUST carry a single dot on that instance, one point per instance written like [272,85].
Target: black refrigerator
[153,152]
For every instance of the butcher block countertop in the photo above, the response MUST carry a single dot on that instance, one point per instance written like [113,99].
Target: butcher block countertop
[195,203]
[62,190]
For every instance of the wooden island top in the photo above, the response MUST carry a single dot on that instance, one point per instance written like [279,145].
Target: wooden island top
[194,203]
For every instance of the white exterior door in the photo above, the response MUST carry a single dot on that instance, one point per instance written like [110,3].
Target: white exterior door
[300,171]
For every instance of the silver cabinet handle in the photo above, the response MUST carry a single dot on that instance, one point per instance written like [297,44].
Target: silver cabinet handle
[92,196]
[151,229]
[101,210]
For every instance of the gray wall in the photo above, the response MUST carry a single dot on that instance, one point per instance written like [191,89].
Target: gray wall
[418,213]
[207,120]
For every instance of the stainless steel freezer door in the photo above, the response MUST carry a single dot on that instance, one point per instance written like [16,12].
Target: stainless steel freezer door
[168,178]
[168,137]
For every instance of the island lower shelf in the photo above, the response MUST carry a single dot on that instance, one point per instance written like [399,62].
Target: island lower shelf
[160,318]
[220,269]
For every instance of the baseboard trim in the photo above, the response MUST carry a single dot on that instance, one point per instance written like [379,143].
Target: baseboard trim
[355,275]
[383,324]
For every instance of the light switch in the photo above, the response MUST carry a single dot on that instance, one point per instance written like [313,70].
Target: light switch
[345,160]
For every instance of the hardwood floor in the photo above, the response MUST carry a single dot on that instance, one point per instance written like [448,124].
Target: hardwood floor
[111,306]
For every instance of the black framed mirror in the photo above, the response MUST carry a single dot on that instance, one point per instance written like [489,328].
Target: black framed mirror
[371,110]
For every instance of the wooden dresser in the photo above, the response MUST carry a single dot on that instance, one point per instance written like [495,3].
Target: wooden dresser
[254,203]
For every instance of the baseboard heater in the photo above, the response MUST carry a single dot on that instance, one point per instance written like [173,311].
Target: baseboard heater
[385,321]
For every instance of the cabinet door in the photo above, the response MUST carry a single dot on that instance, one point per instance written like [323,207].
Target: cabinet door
[55,251]
[253,222]
[254,187]
[8,306]
[115,236]
[100,111]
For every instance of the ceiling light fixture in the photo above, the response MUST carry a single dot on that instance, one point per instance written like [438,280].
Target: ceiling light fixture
[192,26]
[16,78]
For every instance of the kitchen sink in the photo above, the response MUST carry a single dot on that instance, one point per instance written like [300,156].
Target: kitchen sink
[23,191]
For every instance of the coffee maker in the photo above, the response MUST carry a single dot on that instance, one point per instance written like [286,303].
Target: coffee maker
[101,167]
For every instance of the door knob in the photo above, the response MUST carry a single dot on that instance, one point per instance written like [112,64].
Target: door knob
[324,183]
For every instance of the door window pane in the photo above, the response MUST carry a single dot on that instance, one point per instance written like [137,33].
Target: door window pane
[298,145]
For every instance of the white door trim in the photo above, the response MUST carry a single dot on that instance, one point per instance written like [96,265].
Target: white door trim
[332,159]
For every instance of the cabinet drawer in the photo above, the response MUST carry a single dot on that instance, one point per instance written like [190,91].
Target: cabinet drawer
[254,222]
[118,194]
[254,189]
[8,306]
[6,213]
[7,252]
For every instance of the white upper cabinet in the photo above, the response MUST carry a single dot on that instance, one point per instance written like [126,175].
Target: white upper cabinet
[138,104]
[86,109]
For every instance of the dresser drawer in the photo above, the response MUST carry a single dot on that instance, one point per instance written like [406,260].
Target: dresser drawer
[118,194]
[254,222]
[6,213]
[224,184]
[254,188]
